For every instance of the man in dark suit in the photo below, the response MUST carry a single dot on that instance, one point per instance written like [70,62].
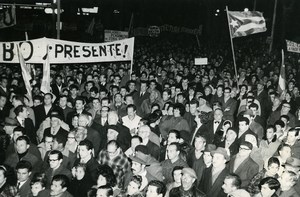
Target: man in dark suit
[213,125]
[243,165]
[140,96]
[25,122]
[144,133]
[229,105]
[3,87]
[23,169]
[244,124]
[214,176]
[63,99]
[22,144]
[4,109]
[57,86]
[43,111]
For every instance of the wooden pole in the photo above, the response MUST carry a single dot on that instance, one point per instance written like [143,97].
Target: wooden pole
[232,48]
[273,26]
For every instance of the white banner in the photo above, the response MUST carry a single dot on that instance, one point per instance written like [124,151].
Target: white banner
[63,52]
[112,35]
[292,46]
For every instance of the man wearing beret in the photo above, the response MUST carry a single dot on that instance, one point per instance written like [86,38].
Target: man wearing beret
[243,165]
[214,176]
[188,186]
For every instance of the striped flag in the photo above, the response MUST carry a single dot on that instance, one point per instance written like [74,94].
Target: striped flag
[282,79]
[45,86]
[246,23]
[26,75]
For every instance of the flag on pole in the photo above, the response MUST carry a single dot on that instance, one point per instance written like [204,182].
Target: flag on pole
[246,23]
[45,86]
[26,74]
[90,29]
[282,79]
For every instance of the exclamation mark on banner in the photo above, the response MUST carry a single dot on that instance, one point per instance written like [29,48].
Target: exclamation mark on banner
[125,50]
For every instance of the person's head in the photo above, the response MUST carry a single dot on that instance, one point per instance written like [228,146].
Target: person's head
[63,99]
[80,170]
[173,151]
[270,133]
[268,186]
[243,124]
[231,183]
[279,125]
[220,157]
[134,185]
[21,111]
[273,166]
[79,103]
[131,110]
[104,191]
[287,180]
[38,183]
[199,142]
[245,149]
[218,114]
[194,104]
[231,134]
[135,141]
[292,136]
[177,174]
[144,132]
[59,142]
[55,159]
[284,151]
[188,178]
[17,132]
[48,99]
[178,110]
[156,189]
[113,149]
[85,149]
[59,184]
[112,118]
[106,176]
[286,107]
[22,144]
[173,136]
[23,169]
[112,132]
[80,133]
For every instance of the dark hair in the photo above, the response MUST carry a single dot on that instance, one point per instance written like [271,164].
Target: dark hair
[137,179]
[237,182]
[19,109]
[108,174]
[177,146]
[23,164]
[193,102]
[19,129]
[286,117]
[281,146]
[131,106]
[94,89]
[39,178]
[155,105]
[113,142]
[89,145]
[79,98]
[280,123]
[109,190]
[73,86]
[253,105]
[61,139]
[176,132]
[65,182]
[160,186]
[180,107]
[244,119]
[137,137]
[24,138]
[296,130]
[274,130]
[272,183]
[58,153]
[49,95]
[273,160]
[176,168]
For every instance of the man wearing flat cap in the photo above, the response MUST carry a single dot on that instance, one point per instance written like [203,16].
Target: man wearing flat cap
[138,167]
[213,177]
[243,165]
[188,184]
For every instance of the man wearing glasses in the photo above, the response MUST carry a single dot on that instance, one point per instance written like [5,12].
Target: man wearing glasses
[243,165]
[56,167]
[285,110]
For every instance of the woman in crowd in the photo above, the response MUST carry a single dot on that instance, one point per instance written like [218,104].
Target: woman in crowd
[38,184]
[81,182]
[133,189]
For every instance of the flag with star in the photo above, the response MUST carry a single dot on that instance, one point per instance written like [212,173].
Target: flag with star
[246,23]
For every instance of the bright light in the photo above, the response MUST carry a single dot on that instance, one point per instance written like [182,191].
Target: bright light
[216,14]
[246,10]
[217,10]
[50,11]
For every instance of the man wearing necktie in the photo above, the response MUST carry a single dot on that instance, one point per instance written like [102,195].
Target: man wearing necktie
[23,169]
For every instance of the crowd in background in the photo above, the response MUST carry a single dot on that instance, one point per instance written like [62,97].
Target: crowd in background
[168,128]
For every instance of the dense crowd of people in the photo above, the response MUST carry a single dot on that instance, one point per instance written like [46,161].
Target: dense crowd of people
[170,128]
